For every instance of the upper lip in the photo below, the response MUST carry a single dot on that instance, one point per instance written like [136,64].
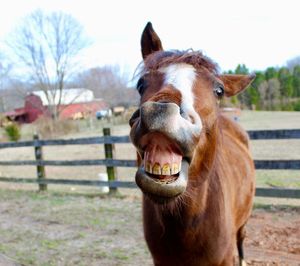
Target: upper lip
[145,139]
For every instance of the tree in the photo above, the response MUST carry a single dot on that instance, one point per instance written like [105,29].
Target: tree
[273,93]
[270,73]
[296,81]
[5,69]
[262,88]
[244,97]
[254,97]
[269,91]
[241,69]
[47,46]
[109,83]
[284,77]
[12,95]
[254,89]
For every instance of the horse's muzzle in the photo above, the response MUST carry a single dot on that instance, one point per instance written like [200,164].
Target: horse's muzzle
[164,118]
[165,141]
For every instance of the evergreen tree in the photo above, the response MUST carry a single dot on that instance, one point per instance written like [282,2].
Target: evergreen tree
[283,76]
[241,69]
[244,98]
[271,73]
[296,81]
[254,90]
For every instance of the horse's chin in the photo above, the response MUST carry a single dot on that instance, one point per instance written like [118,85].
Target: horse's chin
[163,190]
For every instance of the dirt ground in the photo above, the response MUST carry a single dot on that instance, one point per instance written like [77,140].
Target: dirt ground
[63,229]
[273,237]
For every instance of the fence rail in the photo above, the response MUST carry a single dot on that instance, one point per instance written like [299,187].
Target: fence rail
[275,134]
[106,162]
[259,164]
[57,142]
[108,141]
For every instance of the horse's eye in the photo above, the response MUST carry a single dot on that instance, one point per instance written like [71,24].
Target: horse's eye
[219,90]
[141,85]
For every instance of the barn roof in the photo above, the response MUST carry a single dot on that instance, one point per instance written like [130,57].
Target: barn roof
[15,113]
[90,108]
[73,95]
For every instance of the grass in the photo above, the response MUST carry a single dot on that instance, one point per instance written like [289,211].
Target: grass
[271,207]
[59,229]
[254,120]
[278,178]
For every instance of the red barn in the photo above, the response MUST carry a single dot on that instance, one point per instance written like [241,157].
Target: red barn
[32,109]
[82,110]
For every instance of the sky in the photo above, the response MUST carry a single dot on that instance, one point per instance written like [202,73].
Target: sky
[257,33]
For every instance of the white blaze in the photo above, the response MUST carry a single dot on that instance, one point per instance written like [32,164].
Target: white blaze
[182,77]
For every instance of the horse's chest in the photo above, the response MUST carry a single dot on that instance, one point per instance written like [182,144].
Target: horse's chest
[177,243]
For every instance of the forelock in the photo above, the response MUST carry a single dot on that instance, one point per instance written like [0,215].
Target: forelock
[162,59]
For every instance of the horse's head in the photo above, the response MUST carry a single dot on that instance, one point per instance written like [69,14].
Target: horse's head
[178,109]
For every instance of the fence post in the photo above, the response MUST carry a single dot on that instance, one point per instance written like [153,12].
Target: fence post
[109,154]
[38,152]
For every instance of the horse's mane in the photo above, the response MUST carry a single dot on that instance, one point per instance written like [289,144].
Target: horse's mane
[195,58]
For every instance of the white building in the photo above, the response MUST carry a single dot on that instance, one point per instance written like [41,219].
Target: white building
[68,96]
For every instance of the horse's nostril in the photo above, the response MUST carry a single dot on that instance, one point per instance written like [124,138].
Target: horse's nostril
[181,111]
[163,102]
[191,119]
[188,116]
[134,116]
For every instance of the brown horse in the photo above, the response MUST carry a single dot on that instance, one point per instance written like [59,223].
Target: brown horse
[196,172]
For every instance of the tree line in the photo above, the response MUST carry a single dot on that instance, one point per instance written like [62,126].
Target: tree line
[272,89]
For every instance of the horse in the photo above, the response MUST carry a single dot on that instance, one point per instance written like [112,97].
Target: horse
[196,172]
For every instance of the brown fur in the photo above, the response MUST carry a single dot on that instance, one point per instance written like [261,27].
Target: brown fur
[194,58]
[203,225]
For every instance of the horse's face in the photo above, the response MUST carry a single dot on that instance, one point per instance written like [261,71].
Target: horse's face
[179,96]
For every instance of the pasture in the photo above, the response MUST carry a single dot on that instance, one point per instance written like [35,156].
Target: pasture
[68,229]
[73,225]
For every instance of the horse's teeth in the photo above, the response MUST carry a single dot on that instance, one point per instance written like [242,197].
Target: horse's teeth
[167,169]
[156,170]
[148,167]
[175,168]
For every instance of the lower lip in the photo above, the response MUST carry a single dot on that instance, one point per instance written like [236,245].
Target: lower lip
[160,188]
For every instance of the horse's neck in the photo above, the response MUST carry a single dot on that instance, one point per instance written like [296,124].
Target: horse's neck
[205,190]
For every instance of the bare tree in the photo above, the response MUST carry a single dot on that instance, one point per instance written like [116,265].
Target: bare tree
[274,93]
[47,45]
[109,83]
[269,91]
[12,96]
[5,69]
[263,88]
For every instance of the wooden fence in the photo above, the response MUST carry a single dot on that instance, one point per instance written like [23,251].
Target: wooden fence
[108,141]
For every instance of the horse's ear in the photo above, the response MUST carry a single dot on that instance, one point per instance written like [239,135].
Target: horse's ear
[236,83]
[150,41]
